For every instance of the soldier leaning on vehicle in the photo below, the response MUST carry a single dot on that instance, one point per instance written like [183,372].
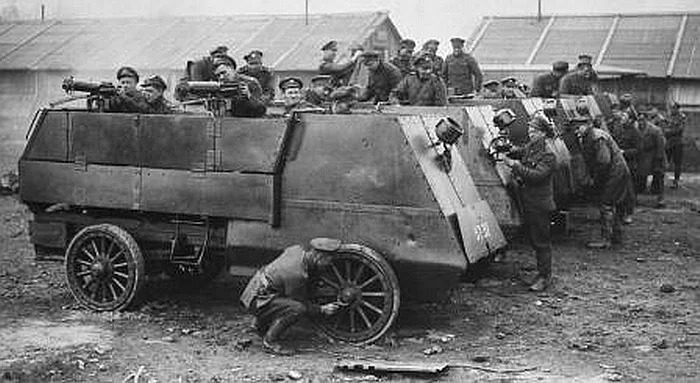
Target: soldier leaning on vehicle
[534,170]
[421,87]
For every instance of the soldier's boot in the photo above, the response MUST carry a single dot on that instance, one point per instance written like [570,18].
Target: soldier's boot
[278,327]
[606,229]
[674,185]
[660,202]
[617,238]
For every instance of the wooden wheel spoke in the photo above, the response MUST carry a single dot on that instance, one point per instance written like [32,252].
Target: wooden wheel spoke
[120,252]
[90,255]
[114,293]
[360,269]
[364,317]
[83,273]
[123,264]
[109,251]
[348,270]
[337,273]
[374,294]
[369,281]
[83,262]
[329,282]
[94,246]
[352,321]
[119,284]
[120,274]
[373,307]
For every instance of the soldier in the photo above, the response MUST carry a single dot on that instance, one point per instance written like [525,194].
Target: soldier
[320,91]
[343,99]
[404,59]
[674,140]
[629,139]
[153,89]
[627,106]
[340,72]
[203,69]
[383,78]
[128,98]
[510,88]
[652,158]
[254,68]
[461,71]
[293,97]
[278,294]
[422,87]
[248,103]
[578,82]
[534,172]
[547,85]
[586,60]
[611,178]
[492,90]
[429,49]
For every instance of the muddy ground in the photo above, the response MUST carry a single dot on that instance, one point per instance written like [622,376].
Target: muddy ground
[605,319]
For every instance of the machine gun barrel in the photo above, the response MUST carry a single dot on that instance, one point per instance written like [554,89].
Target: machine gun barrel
[98,88]
[229,89]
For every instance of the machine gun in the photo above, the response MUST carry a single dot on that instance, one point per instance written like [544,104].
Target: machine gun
[97,92]
[216,96]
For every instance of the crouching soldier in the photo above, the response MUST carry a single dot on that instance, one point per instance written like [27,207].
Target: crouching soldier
[278,294]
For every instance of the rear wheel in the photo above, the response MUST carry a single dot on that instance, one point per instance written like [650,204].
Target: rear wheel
[367,288]
[105,268]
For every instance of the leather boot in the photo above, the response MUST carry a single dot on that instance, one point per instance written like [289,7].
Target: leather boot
[278,327]
[607,216]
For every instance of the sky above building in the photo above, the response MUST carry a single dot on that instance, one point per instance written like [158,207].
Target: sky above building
[417,19]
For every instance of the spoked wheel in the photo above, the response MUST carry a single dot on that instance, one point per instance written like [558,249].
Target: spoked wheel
[105,268]
[368,290]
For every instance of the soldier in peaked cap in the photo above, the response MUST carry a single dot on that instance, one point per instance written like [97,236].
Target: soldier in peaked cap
[404,59]
[460,70]
[340,71]
[421,87]
[279,293]
[153,89]
[533,167]
[320,90]
[429,49]
[254,68]
[248,102]
[128,99]
[546,85]
[491,90]
[293,97]
[383,78]
[510,88]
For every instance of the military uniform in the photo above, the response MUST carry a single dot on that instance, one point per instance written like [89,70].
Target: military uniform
[266,79]
[430,91]
[381,82]
[629,140]
[279,293]
[404,63]
[534,173]
[611,180]
[575,83]
[652,159]
[545,85]
[130,101]
[674,142]
[462,73]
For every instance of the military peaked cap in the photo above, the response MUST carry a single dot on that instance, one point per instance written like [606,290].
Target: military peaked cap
[325,244]
[509,79]
[320,78]
[370,55]
[431,41]
[457,41]
[330,45]
[585,58]
[156,82]
[219,51]
[407,43]
[224,60]
[253,55]
[127,71]
[560,66]
[291,82]
[422,60]
[491,82]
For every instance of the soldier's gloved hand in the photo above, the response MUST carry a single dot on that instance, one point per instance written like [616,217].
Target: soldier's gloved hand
[330,309]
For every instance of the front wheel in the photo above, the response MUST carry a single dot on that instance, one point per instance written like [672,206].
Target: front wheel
[105,268]
[366,287]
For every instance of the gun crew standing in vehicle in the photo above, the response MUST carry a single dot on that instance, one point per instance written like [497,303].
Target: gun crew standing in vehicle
[422,87]
[404,59]
[546,85]
[254,68]
[341,71]
[383,78]
[460,70]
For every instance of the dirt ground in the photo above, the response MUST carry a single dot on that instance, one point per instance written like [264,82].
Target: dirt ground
[605,319]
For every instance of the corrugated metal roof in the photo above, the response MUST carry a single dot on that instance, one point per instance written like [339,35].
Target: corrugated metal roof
[287,42]
[657,44]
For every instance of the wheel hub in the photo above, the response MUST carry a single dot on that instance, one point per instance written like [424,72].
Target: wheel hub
[100,268]
[350,294]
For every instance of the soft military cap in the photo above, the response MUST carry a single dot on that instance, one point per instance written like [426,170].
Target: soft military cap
[330,45]
[407,43]
[509,79]
[325,244]
[585,58]
[560,66]
[491,83]
[219,51]
[457,41]
[291,82]
[127,71]
[155,82]
[431,41]
[224,60]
